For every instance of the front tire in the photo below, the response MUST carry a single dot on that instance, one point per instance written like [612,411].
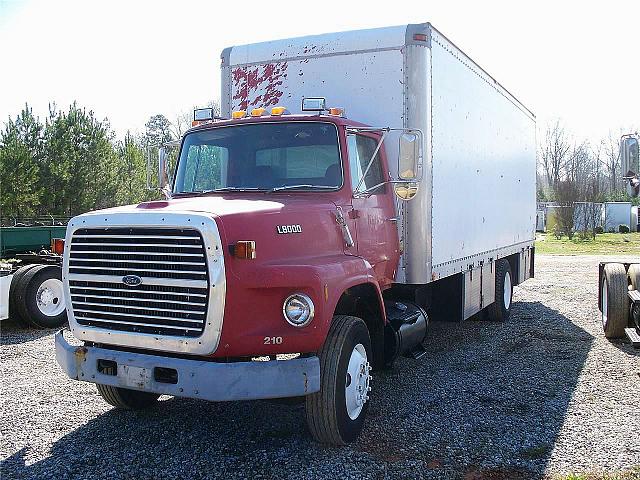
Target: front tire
[500,310]
[615,300]
[335,414]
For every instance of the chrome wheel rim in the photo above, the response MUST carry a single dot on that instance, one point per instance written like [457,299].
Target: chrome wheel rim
[49,298]
[507,291]
[357,386]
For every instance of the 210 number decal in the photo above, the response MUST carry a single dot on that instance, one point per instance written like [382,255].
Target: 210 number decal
[272,340]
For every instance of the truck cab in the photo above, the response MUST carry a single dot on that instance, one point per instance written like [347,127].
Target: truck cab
[274,226]
[295,253]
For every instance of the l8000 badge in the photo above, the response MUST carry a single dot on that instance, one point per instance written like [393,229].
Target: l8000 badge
[282,229]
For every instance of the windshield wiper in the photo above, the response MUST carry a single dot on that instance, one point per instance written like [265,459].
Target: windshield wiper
[293,187]
[223,189]
[236,189]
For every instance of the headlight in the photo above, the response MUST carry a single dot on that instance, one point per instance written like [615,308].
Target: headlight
[298,309]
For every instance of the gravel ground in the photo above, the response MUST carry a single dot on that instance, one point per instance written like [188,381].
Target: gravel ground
[544,394]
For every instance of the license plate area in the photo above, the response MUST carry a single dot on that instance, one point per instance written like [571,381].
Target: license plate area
[134,377]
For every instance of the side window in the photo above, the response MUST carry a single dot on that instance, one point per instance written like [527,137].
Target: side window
[361,149]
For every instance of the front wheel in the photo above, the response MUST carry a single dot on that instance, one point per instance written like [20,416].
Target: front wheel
[125,398]
[335,414]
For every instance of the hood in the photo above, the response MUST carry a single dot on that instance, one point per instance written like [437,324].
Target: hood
[283,226]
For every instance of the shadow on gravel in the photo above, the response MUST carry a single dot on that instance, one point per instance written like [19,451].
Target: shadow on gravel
[12,333]
[487,401]
[625,346]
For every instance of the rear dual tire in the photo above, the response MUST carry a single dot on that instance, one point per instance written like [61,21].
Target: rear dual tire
[36,296]
[615,299]
[500,309]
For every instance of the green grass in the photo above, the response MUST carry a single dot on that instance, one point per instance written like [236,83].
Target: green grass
[604,244]
[632,474]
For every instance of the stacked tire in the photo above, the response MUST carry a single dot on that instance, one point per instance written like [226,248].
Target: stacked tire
[36,296]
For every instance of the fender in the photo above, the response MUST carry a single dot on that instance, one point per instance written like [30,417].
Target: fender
[259,295]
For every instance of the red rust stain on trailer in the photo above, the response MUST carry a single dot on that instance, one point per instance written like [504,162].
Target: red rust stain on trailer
[258,86]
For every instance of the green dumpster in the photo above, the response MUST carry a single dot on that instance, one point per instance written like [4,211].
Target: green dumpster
[28,239]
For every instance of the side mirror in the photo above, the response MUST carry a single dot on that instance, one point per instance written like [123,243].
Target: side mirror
[408,156]
[406,190]
[629,156]
[409,167]
[163,170]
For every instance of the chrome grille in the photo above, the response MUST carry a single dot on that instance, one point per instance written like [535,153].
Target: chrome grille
[172,298]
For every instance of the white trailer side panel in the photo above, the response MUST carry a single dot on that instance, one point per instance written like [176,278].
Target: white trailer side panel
[479,176]
[484,160]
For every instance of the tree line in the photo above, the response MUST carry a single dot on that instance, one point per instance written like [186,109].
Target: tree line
[73,162]
[578,175]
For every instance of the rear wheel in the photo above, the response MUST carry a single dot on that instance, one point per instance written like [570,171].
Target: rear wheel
[39,297]
[634,277]
[500,310]
[13,309]
[335,414]
[125,398]
[615,300]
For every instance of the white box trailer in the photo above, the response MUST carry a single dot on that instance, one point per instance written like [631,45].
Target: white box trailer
[479,140]
[615,214]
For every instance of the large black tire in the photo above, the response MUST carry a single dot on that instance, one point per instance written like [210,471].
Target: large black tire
[125,398]
[28,297]
[500,310]
[615,300]
[634,278]
[13,309]
[327,411]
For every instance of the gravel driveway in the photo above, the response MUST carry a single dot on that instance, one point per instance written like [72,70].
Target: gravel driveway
[542,394]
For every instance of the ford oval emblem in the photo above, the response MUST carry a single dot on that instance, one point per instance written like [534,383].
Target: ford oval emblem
[131,280]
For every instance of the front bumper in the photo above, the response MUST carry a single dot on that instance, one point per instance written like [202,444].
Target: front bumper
[195,378]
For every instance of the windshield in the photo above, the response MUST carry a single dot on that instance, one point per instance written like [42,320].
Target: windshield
[263,156]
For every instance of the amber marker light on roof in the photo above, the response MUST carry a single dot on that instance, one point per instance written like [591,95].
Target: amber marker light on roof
[258,112]
[277,111]
[336,111]
[239,114]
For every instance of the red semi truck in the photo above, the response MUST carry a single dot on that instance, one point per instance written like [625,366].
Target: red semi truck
[304,244]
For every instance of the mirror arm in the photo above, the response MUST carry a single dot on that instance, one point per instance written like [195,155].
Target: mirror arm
[386,130]
[368,191]
[375,152]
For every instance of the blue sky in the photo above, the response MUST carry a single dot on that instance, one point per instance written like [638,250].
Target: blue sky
[127,60]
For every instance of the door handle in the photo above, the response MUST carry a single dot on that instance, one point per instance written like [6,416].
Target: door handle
[393,219]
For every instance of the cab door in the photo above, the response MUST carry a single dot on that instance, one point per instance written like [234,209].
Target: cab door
[374,213]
